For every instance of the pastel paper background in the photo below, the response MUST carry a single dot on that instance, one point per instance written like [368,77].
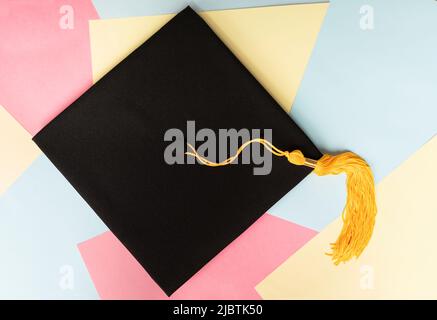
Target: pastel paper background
[129,8]
[16,148]
[411,72]
[375,88]
[401,259]
[232,274]
[274,43]
[43,219]
[369,91]
[44,67]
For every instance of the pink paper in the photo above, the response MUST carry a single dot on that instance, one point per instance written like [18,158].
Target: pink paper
[45,60]
[232,274]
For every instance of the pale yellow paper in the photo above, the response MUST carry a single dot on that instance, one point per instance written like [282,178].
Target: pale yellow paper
[17,150]
[274,43]
[401,259]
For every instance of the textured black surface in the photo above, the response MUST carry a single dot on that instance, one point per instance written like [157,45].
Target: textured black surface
[109,145]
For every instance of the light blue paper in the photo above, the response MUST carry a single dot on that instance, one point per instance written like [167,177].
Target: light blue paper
[373,92]
[108,9]
[42,220]
[316,202]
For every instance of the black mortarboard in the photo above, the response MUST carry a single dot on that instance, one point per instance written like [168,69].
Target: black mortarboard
[110,144]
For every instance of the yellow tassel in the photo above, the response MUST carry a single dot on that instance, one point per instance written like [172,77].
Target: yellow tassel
[360,210]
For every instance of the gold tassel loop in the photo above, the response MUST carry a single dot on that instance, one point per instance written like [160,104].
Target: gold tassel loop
[294,157]
[360,210]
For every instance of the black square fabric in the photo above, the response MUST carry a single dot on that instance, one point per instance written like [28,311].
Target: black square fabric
[110,145]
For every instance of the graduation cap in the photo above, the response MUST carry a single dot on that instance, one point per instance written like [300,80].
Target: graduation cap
[119,145]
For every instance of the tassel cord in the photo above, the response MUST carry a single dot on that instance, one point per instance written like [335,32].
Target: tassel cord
[360,210]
